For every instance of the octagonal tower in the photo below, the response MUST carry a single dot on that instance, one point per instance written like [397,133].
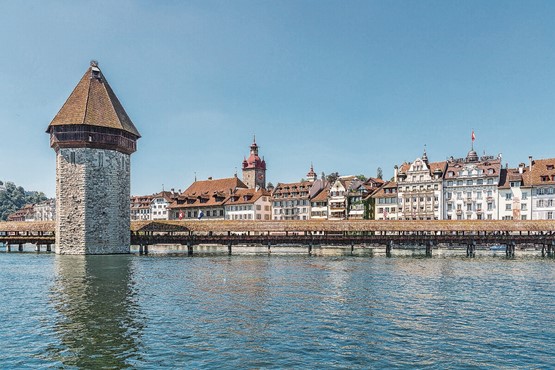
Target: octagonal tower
[93,138]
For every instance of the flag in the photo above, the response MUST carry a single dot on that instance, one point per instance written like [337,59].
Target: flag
[181,215]
[473,136]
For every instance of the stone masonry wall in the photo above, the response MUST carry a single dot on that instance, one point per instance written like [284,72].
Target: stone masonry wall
[92,199]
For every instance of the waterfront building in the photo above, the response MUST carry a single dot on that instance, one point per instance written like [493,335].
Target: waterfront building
[140,207]
[45,211]
[514,194]
[319,201]
[338,199]
[420,189]
[370,186]
[359,205]
[160,203]
[385,201]
[470,187]
[541,180]
[26,213]
[248,204]
[254,169]
[93,138]
[205,199]
[292,201]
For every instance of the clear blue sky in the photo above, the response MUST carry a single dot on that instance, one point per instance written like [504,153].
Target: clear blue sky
[347,85]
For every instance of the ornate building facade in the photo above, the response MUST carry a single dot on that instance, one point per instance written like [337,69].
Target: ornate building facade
[470,187]
[420,189]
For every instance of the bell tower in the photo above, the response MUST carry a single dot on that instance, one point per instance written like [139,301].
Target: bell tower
[254,168]
[93,138]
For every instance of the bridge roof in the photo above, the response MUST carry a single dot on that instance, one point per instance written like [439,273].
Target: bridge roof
[27,226]
[310,225]
[347,225]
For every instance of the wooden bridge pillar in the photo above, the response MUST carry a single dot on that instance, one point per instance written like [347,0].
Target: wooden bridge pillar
[352,247]
[48,248]
[471,249]
[310,248]
[269,247]
[189,249]
[8,247]
[388,247]
[510,249]
[37,248]
[20,248]
[429,247]
[229,248]
[141,249]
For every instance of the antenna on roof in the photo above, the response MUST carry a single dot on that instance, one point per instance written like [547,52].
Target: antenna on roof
[162,187]
[94,63]
[195,176]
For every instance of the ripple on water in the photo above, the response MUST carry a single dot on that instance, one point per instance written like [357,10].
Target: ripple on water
[275,312]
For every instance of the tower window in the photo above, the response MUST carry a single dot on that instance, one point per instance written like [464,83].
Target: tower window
[72,158]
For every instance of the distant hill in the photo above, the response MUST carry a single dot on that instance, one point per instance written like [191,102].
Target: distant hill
[13,197]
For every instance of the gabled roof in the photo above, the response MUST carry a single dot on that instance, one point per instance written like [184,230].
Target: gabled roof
[211,192]
[380,193]
[94,103]
[246,196]
[542,172]
[321,196]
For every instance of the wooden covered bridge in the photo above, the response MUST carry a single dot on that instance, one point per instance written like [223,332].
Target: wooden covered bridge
[312,233]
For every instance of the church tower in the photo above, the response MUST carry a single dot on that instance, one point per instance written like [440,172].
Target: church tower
[93,138]
[254,169]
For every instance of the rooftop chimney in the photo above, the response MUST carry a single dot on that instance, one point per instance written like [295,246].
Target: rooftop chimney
[530,161]
[395,170]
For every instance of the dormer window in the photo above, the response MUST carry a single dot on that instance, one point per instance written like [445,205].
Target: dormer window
[490,171]
[550,167]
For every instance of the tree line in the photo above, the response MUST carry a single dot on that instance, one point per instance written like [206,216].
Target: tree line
[13,197]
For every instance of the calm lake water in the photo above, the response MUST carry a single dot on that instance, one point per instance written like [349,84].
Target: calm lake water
[276,312]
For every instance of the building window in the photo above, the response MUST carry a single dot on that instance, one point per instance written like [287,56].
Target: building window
[490,181]
[524,196]
[468,182]
[524,207]
[550,215]
[508,207]
[508,196]
[72,157]
[490,206]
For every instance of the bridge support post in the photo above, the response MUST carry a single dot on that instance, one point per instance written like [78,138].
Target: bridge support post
[269,247]
[189,249]
[471,249]
[37,248]
[48,248]
[543,249]
[310,249]
[510,249]
[8,247]
[229,249]
[145,249]
[429,247]
[140,249]
[388,247]
[352,247]
[20,248]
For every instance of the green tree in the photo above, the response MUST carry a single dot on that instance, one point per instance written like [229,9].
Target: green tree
[15,197]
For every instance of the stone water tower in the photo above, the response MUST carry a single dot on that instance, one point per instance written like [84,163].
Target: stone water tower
[93,138]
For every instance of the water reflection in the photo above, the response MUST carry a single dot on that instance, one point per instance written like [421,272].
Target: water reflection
[99,322]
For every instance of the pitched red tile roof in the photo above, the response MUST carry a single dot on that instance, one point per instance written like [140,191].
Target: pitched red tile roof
[321,196]
[542,172]
[246,196]
[94,103]
[207,193]
[380,193]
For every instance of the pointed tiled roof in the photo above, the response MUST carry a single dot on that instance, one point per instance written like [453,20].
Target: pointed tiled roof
[94,103]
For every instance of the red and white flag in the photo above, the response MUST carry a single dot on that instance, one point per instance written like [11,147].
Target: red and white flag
[473,136]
